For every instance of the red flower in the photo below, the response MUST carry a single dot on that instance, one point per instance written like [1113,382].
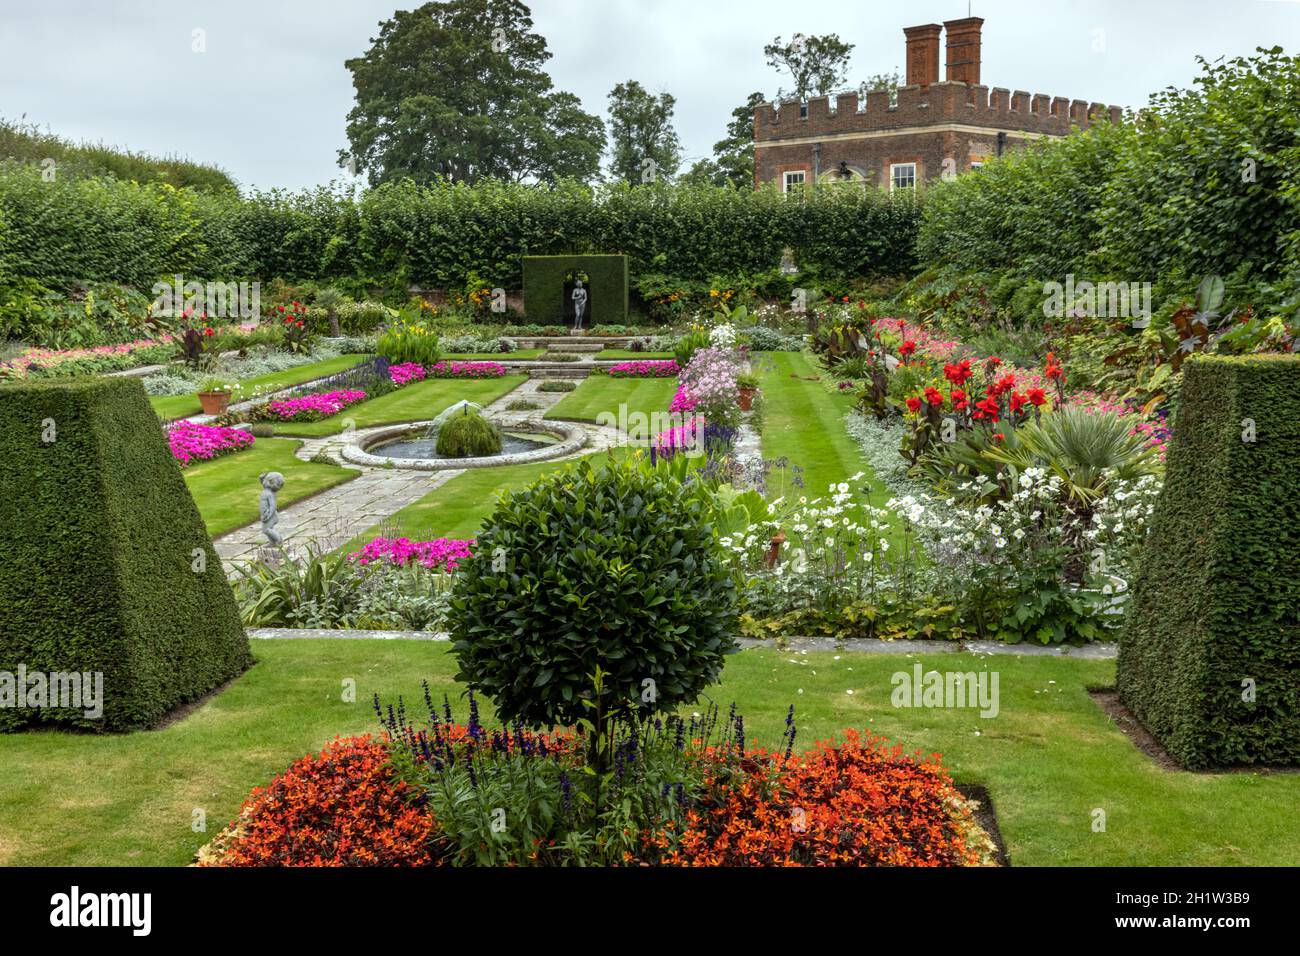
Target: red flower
[280,308]
[959,402]
[907,348]
[1037,397]
[914,404]
[986,408]
[998,436]
[1005,384]
[958,373]
[1018,402]
[208,332]
[1053,370]
[934,396]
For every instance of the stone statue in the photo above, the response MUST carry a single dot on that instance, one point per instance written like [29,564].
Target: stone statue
[272,481]
[579,304]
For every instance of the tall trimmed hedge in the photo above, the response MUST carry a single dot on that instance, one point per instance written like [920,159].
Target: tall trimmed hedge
[1217,599]
[544,287]
[434,236]
[101,542]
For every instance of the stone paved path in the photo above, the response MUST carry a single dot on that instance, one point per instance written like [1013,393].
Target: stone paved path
[335,516]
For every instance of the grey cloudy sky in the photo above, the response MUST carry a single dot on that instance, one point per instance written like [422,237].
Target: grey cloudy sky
[268,99]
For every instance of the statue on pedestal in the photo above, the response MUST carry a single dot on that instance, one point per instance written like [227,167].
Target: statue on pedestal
[579,304]
[272,481]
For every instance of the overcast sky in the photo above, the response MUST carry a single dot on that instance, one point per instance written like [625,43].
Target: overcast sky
[268,99]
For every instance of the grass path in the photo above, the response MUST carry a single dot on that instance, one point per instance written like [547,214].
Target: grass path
[631,401]
[417,402]
[227,489]
[1049,759]
[804,423]
[172,407]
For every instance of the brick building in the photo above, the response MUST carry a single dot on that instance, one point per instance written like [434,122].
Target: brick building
[908,136]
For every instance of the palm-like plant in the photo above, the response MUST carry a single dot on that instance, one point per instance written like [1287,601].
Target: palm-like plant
[1088,451]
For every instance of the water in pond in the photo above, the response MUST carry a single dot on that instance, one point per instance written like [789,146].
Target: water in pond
[425,448]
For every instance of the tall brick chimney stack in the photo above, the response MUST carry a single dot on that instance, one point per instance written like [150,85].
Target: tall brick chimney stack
[922,54]
[964,50]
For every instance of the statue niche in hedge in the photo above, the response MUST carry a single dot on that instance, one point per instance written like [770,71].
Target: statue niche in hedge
[107,568]
[1210,660]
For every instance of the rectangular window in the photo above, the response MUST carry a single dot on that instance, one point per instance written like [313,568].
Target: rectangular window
[902,176]
[793,181]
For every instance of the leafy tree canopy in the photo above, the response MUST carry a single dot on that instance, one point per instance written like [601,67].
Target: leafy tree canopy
[644,146]
[457,91]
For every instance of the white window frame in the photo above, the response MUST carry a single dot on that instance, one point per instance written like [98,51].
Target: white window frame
[786,182]
[893,179]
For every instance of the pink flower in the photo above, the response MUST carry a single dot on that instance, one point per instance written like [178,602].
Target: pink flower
[406,372]
[190,442]
[441,553]
[310,408]
[645,368]
[467,370]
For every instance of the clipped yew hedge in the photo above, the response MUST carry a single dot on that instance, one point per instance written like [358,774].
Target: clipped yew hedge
[544,289]
[1215,619]
[107,566]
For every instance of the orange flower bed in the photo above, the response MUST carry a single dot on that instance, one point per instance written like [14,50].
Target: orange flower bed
[862,802]
[340,807]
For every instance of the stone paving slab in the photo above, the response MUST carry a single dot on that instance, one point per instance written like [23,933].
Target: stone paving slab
[1087,652]
[796,644]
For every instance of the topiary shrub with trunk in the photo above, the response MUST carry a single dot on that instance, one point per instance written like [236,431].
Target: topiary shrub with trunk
[1210,661]
[468,436]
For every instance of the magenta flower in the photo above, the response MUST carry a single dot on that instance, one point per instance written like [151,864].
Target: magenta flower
[190,442]
[439,554]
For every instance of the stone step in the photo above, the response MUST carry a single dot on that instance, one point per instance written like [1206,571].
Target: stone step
[560,345]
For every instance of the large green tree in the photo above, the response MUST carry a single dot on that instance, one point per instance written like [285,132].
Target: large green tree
[643,144]
[456,91]
[733,156]
[817,65]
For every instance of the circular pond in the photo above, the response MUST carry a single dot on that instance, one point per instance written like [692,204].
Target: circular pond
[406,446]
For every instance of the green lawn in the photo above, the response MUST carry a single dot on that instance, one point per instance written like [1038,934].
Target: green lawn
[457,509]
[629,354]
[803,423]
[227,489]
[171,407]
[631,401]
[1049,759]
[417,402]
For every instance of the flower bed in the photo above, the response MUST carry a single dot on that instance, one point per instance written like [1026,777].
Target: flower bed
[190,442]
[440,553]
[406,373]
[341,807]
[645,368]
[36,362]
[467,370]
[708,802]
[310,408]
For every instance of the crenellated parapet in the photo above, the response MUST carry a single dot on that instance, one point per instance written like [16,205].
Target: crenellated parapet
[935,104]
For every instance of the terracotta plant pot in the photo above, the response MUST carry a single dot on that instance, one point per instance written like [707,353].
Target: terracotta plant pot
[746,398]
[774,549]
[214,403]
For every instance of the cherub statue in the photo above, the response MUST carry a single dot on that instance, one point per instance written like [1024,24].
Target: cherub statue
[579,304]
[272,481]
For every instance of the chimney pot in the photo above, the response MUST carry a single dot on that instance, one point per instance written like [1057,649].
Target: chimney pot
[964,49]
[923,54]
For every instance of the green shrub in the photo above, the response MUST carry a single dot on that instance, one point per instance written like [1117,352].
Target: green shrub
[557,385]
[1216,603]
[616,569]
[409,340]
[468,436]
[107,564]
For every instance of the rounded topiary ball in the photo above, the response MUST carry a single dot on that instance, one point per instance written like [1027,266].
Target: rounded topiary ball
[614,568]
[468,436]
